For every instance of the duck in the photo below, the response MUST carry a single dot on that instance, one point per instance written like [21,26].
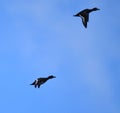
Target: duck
[84,14]
[39,81]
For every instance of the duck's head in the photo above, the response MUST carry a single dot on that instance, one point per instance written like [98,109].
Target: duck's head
[95,9]
[51,76]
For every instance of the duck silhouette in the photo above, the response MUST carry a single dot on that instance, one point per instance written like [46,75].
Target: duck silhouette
[84,14]
[39,81]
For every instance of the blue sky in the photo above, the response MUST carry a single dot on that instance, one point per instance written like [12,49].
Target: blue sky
[41,37]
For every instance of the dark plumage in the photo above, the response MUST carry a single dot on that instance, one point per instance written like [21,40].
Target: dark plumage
[39,81]
[84,14]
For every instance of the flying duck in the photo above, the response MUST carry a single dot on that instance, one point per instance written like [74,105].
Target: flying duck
[84,14]
[39,81]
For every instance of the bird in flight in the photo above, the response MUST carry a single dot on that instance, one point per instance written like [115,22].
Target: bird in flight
[84,14]
[39,81]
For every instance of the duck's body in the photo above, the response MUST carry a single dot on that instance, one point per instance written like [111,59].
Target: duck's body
[84,14]
[41,81]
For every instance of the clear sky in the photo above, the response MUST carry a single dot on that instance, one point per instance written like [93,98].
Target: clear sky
[41,37]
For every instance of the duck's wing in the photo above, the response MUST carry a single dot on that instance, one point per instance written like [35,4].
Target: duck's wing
[78,14]
[39,82]
[85,19]
[39,85]
[33,83]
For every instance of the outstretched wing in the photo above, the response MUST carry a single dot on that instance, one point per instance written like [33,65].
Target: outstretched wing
[39,85]
[85,19]
[40,82]
[33,83]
